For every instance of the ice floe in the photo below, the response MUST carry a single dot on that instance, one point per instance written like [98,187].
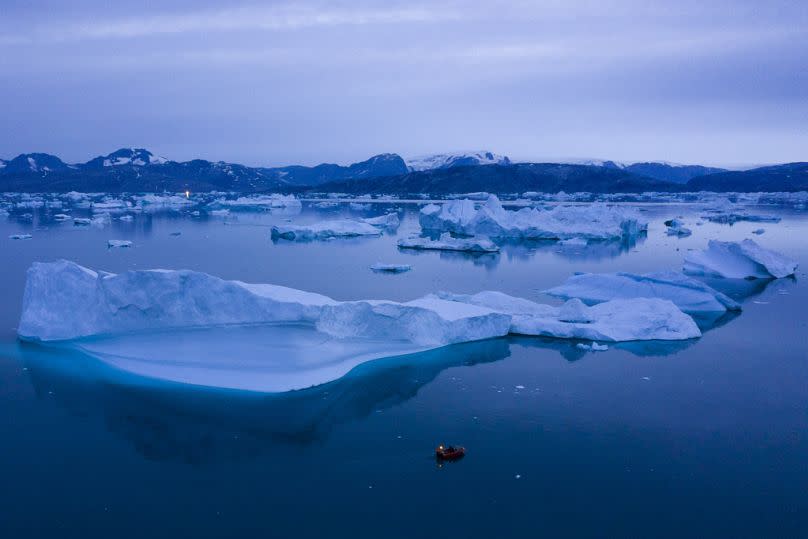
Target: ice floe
[20,237]
[690,295]
[734,260]
[447,243]
[594,221]
[322,230]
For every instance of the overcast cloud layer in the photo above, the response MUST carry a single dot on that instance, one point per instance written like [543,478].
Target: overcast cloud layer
[721,82]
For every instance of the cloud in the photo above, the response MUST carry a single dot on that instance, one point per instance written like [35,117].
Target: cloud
[249,18]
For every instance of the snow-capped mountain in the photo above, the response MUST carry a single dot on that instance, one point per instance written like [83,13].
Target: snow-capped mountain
[34,162]
[460,159]
[658,170]
[137,157]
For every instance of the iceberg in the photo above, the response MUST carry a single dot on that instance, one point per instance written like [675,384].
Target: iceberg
[61,217]
[448,243]
[593,221]
[190,327]
[734,260]
[617,320]
[358,206]
[114,244]
[390,268]
[323,230]
[20,237]
[689,295]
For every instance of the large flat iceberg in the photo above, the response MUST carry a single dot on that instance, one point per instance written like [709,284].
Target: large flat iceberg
[169,324]
[734,260]
[688,294]
[593,221]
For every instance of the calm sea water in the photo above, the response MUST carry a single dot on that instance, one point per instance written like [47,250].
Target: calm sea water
[702,438]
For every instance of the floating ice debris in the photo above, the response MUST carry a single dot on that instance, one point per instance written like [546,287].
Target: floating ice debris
[219,213]
[759,231]
[150,201]
[676,228]
[390,268]
[82,221]
[389,220]
[61,217]
[114,244]
[725,212]
[595,221]
[126,218]
[356,206]
[612,321]
[20,237]
[175,234]
[690,295]
[448,243]
[520,387]
[340,228]
[733,260]
[259,202]
[326,204]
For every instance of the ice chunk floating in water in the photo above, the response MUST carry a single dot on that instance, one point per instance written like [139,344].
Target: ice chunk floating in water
[594,221]
[688,294]
[733,260]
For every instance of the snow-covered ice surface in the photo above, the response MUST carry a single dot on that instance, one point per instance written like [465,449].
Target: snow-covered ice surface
[448,160]
[738,260]
[448,243]
[596,221]
[611,321]
[690,295]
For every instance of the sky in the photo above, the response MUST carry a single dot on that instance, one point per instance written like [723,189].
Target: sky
[717,82]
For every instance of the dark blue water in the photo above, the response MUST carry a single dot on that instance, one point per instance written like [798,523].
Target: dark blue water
[702,438]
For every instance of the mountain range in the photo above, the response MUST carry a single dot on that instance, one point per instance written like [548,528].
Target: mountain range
[139,170]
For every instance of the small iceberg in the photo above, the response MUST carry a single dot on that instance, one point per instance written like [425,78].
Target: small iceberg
[61,217]
[734,260]
[323,230]
[758,231]
[677,228]
[448,243]
[117,244]
[593,221]
[690,295]
[358,206]
[20,237]
[390,268]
